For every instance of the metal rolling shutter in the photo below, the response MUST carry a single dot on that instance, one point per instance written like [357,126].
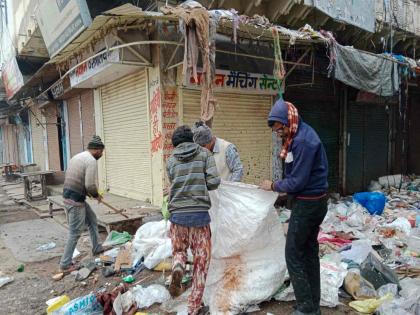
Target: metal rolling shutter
[242,120]
[126,137]
[367,148]
[37,128]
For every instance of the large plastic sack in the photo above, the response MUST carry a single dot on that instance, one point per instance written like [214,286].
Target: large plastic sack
[374,202]
[85,305]
[152,242]
[248,264]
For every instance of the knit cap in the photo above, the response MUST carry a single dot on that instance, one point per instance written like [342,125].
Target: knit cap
[96,143]
[202,133]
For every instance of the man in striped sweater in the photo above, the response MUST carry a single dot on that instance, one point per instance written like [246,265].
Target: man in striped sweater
[192,173]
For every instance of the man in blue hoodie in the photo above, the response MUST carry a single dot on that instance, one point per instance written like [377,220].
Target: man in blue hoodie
[305,182]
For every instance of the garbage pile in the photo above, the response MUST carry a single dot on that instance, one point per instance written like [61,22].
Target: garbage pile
[370,249]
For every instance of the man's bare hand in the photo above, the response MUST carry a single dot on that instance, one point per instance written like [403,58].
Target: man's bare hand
[266,185]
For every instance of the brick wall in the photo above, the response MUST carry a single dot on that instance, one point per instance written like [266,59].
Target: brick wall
[88,116]
[74,126]
[52,134]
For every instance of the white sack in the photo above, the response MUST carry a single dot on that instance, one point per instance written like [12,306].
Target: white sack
[152,242]
[248,264]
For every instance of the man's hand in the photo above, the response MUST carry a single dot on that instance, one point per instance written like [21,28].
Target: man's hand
[166,191]
[266,185]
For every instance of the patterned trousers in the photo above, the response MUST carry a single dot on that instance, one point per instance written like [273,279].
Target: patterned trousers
[199,240]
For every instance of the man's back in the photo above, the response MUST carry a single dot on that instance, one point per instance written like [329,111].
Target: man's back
[192,172]
[81,175]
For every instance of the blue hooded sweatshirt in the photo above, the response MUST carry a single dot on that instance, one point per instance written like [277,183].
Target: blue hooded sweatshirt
[306,165]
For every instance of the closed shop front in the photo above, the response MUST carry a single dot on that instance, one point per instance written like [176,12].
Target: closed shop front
[241,119]
[39,134]
[126,137]
[367,145]
[81,121]
[10,140]
[318,106]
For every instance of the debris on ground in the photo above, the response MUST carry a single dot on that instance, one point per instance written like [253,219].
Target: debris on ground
[370,253]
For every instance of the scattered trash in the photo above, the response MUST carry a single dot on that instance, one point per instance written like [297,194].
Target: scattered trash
[377,273]
[360,249]
[5,279]
[152,243]
[46,247]
[369,306]
[76,253]
[56,303]
[154,293]
[358,287]
[21,268]
[108,271]
[163,266]
[414,240]
[88,267]
[116,238]
[128,279]
[333,273]
[374,202]
[87,304]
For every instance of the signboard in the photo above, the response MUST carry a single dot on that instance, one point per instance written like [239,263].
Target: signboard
[60,21]
[238,80]
[360,13]
[12,77]
[93,66]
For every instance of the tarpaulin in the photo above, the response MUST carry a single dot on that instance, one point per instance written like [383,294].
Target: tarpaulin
[363,71]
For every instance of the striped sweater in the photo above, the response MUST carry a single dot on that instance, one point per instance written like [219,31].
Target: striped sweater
[81,178]
[192,172]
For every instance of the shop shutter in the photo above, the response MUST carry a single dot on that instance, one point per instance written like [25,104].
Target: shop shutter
[37,129]
[319,107]
[242,120]
[126,137]
[367,150]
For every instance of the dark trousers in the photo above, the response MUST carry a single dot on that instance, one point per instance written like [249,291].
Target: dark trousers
[302,251]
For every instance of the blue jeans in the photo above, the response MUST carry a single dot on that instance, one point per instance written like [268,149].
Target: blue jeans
[77,218]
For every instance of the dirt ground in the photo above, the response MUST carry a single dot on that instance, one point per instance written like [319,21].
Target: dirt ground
[31,288]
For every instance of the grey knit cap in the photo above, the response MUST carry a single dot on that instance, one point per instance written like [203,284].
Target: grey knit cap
[202,133]
[96,143]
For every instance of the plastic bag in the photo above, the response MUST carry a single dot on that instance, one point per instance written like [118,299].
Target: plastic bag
[85,305]
[165,211]
[374,202]
[377,273]
[248,264]
[388,288]
[401,224]
[5,280]
[56,303]
[152,242]
[146,297]
[370,305]
[360,249]
[358,287]
[332,278]
[117,238]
